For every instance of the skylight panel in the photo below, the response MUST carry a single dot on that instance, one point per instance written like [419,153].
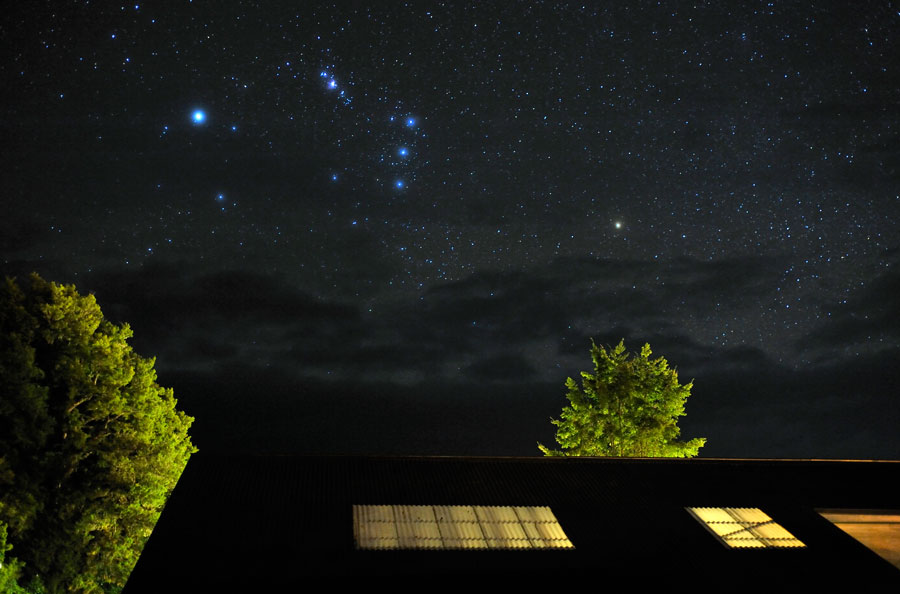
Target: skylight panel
[457,527]
[745,527]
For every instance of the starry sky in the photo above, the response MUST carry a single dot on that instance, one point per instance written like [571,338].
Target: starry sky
[396,228]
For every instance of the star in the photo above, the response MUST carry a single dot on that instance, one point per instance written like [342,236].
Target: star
[403,151]
[618,224]
[410,122]
[199,116]
[399,184]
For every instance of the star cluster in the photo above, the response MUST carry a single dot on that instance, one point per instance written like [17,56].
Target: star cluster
[652,156]
[716,131]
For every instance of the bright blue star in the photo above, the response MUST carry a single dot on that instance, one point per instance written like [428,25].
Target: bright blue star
[334,177]
[234,127]
[323,74]
[410,122]
[399,184]
[199,116]
[403,151]
[332,84]
[220,197]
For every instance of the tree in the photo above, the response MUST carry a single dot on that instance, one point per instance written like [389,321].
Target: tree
[629,406]
[90,445]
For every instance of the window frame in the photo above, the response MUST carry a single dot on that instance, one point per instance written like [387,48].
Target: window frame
[764,532]
[457,527]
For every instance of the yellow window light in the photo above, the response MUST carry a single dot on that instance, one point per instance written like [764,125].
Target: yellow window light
[457,527]
[745,527]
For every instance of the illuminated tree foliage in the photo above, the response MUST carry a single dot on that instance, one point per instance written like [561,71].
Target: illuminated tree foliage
[90,445]
[629,406]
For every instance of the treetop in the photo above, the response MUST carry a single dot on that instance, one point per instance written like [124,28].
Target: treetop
[628,406]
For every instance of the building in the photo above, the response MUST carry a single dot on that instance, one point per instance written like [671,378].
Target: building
[240,523]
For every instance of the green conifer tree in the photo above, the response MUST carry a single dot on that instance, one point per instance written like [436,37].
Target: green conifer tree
[90,445]
[629,406]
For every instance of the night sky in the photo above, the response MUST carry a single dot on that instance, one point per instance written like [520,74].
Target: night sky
[396,229]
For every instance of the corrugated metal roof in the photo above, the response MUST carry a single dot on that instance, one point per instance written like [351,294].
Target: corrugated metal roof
[293,515]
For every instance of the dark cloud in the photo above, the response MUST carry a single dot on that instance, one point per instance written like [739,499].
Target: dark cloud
[871,317]
[217,318]
[757,408]
[484,327]
[501,368]
[363,261]
[243,348]
[846,409]
[575,299]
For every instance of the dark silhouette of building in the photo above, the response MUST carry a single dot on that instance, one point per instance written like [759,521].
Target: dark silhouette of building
[244,523]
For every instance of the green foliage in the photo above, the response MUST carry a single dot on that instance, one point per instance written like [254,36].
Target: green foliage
[629,406]
[90,445]
[11,569]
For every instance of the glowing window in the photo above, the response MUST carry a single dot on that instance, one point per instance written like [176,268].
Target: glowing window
[456,527]
[878,530]
[745,527]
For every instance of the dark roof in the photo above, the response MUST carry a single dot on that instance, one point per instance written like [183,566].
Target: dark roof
[251,521]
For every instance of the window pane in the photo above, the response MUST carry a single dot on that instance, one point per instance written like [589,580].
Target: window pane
[456,527]
[744,527]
